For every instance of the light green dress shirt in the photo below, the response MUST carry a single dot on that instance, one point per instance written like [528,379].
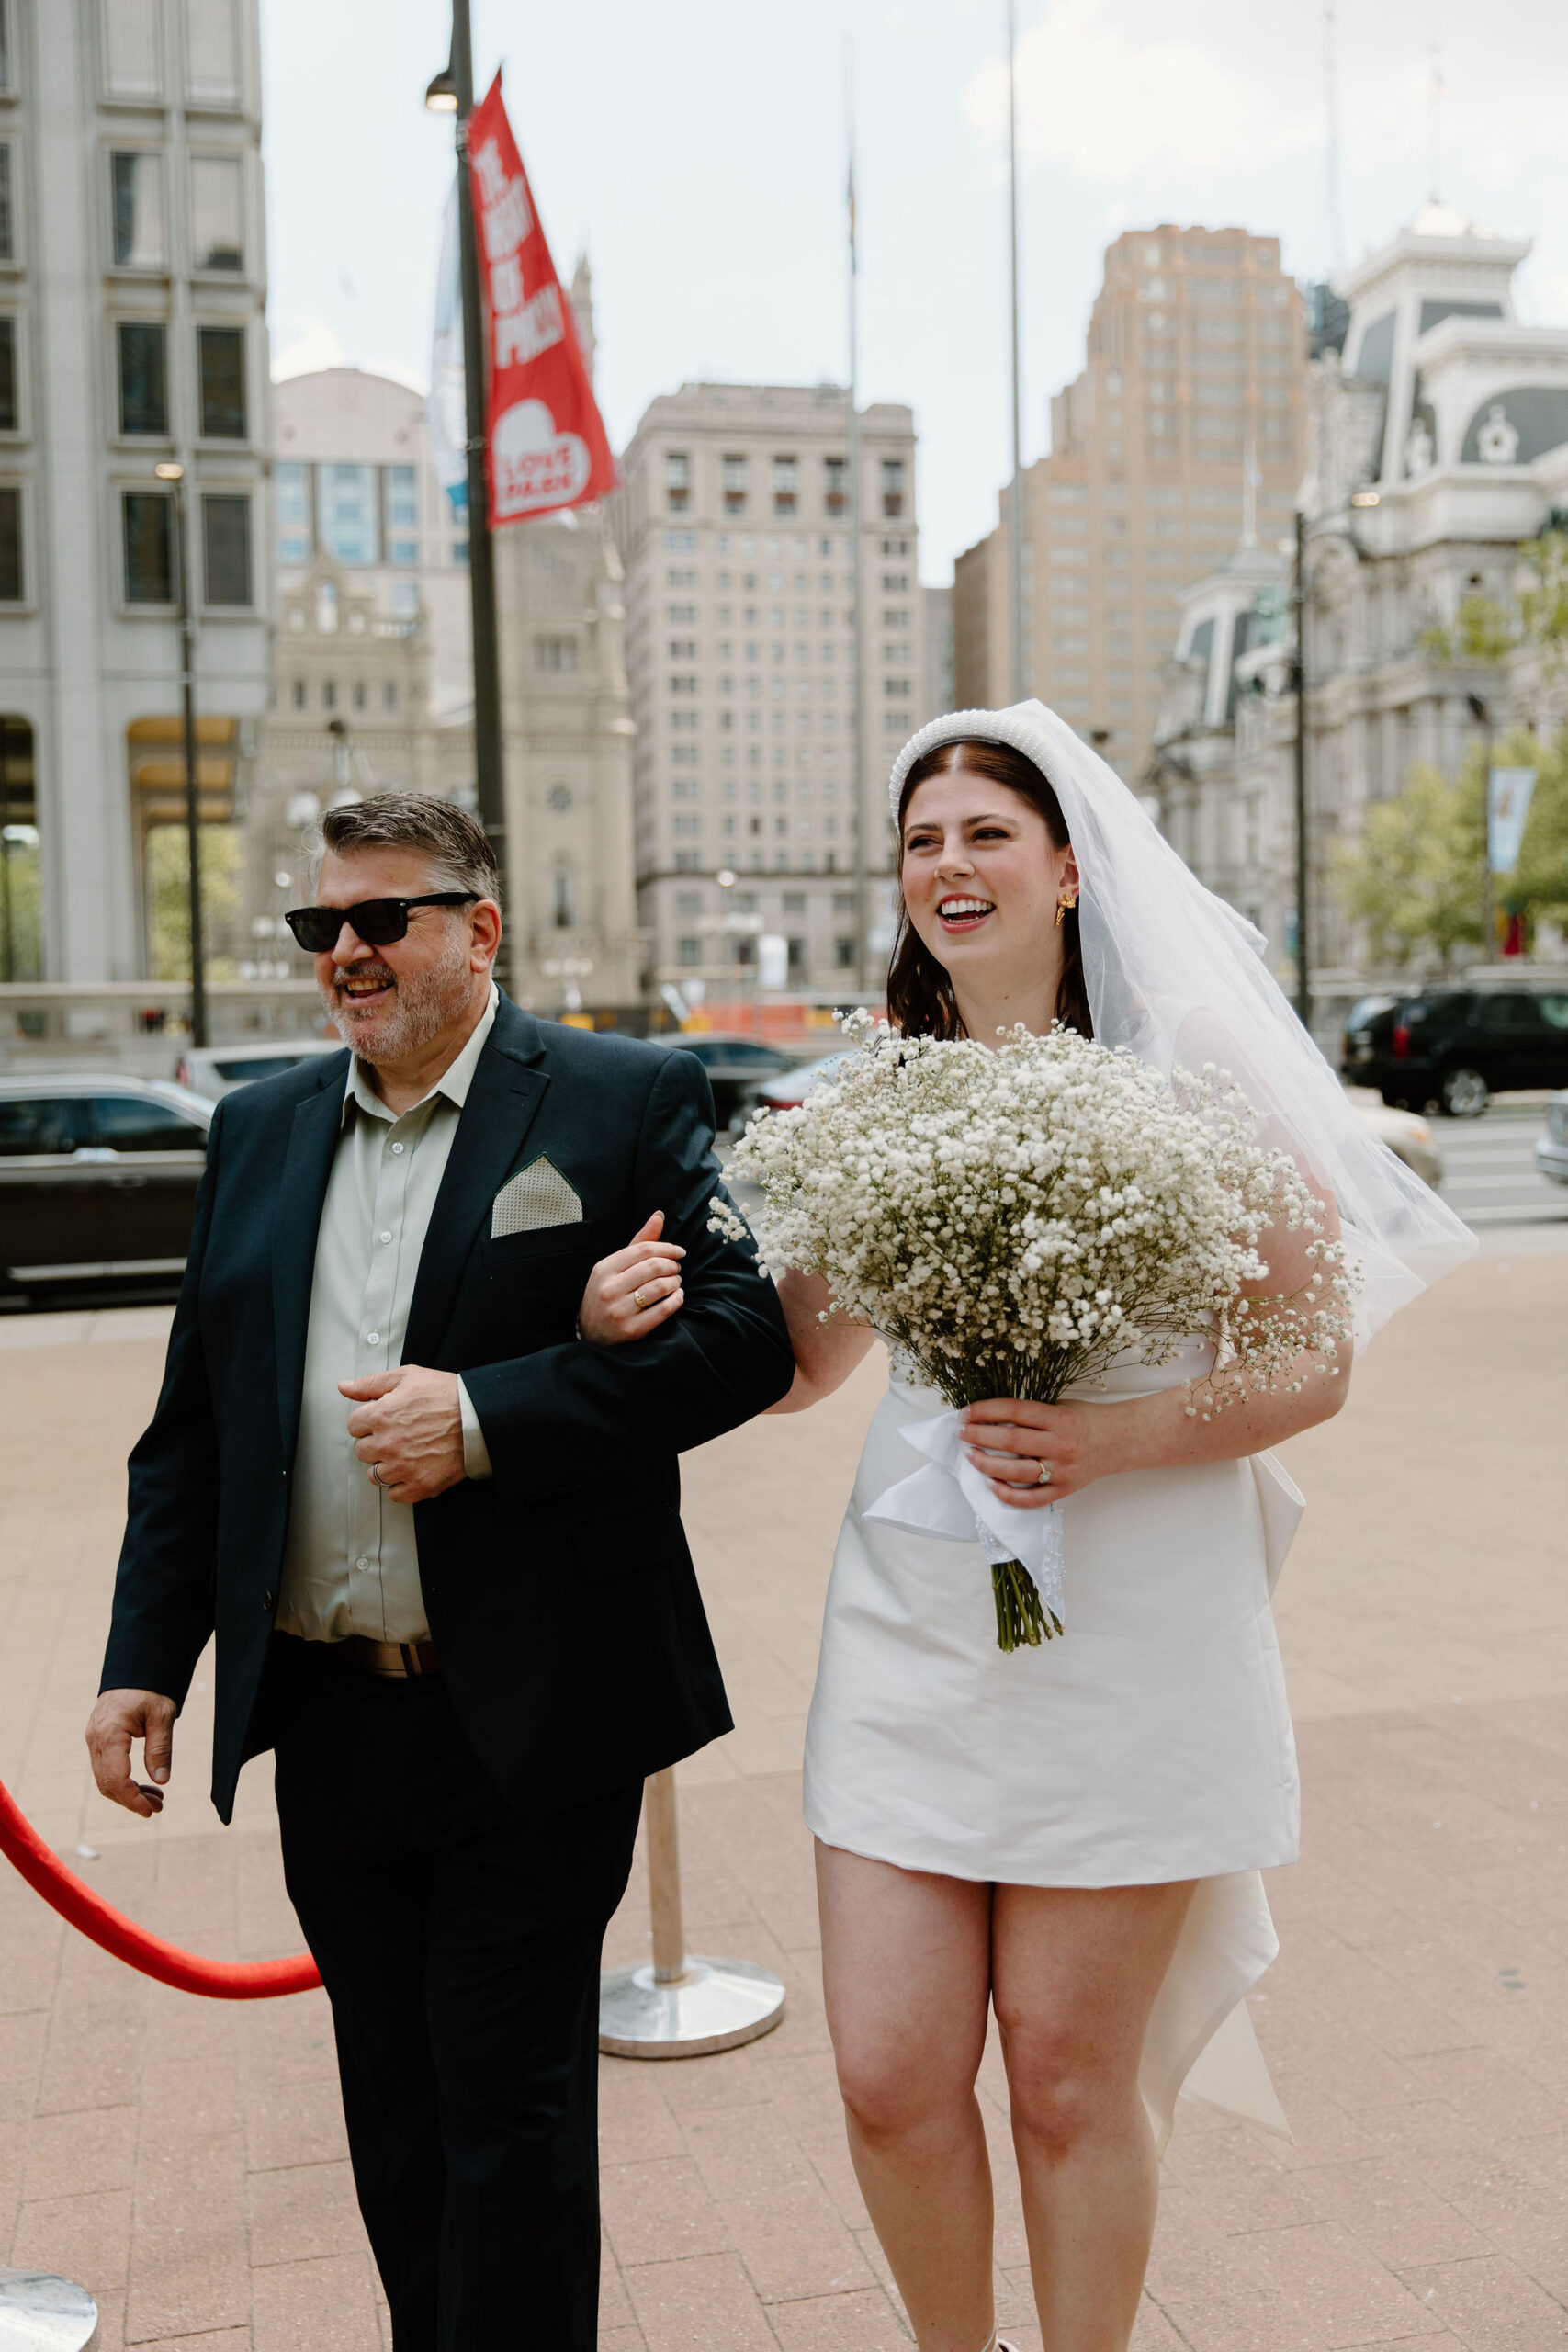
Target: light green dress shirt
[350,1564]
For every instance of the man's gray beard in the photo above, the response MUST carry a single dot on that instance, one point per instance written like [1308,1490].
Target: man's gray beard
[427,1002]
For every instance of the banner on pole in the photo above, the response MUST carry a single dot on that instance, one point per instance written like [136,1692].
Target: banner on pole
[1508,792]
[547,448]
[445,414]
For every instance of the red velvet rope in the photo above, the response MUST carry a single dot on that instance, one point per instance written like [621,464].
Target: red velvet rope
[220,1980]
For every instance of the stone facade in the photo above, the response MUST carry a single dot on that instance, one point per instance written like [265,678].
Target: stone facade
[733,523]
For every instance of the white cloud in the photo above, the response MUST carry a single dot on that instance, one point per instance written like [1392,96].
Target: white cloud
[311,344]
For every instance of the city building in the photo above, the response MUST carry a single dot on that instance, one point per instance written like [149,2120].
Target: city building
[1439,443]
[132,341]
[373,686]
[1191,400]
[937,690]
[734,524]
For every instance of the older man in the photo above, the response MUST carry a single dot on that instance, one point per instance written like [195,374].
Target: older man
[438,1537]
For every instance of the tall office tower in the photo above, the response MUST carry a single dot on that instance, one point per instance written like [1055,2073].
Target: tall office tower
[133,338]
[1187,422]
[734,521]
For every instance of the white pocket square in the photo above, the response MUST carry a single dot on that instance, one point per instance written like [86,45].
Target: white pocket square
[538,1195]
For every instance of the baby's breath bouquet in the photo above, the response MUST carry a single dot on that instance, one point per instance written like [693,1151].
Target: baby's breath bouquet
[1014,1219]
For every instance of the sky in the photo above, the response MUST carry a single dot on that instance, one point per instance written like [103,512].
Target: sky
[697,152]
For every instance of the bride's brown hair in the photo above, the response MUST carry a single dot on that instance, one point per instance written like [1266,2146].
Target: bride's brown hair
[920,1002]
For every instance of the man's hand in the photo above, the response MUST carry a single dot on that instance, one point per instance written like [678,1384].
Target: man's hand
[120,1718]
[409,1425]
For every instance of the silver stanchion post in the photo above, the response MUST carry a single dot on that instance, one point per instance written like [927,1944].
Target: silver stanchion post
[41,2314]
[679,2004]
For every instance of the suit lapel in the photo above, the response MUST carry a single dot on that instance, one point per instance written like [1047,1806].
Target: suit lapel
[296,1220]
[503,1101]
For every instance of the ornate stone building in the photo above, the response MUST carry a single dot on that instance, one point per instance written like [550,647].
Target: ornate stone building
[1438,443]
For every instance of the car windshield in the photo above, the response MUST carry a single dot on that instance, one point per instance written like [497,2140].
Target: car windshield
[1367,1008]
[242,1071]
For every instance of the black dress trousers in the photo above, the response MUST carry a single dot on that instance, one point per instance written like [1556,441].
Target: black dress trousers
[460,1944]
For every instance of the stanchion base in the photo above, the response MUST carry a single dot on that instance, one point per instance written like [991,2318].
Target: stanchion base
[41,2314]
[717,2005]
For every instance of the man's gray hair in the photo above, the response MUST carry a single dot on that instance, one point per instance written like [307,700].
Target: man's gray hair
[456,843]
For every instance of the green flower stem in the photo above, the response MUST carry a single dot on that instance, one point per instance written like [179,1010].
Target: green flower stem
[1023,1620]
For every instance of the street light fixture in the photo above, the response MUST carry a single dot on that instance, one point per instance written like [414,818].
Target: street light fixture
[174,475]
[441,97]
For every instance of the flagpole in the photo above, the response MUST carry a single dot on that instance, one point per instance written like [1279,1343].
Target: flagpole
[1015,526]
[488,769]
[857,558]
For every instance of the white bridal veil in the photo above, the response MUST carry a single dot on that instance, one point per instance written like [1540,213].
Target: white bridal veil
[1177,975]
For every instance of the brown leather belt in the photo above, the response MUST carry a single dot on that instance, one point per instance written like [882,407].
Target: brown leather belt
[400,1660]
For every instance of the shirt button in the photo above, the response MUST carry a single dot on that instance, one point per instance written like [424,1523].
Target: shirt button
[362,1562]
[396,1146]
[386,1236]
[373,1339]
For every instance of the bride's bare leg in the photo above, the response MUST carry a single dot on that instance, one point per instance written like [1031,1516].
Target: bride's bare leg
[1075,1974]
[905,1968]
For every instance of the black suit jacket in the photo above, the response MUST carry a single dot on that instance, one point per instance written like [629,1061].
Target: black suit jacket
[560,1593]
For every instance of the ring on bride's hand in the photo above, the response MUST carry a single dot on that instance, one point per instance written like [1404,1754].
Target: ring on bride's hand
[1045,1478]
[638,1301]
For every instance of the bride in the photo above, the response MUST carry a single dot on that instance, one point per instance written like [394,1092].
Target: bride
[1069,1835]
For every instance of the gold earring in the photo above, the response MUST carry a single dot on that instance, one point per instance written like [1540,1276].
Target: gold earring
[1063,908]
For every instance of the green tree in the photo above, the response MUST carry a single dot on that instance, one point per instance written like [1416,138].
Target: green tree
[168,899]
[1415,877]
[1539,889]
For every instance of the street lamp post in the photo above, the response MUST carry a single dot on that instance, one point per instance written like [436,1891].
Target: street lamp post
[453,93]
[174,475]
[1304,952]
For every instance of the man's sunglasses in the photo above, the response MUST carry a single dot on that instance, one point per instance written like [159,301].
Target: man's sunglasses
[378,921]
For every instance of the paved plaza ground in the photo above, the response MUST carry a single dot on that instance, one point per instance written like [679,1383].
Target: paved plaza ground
[185,2158]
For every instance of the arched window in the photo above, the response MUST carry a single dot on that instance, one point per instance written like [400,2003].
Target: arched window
[563,897]
[21,896]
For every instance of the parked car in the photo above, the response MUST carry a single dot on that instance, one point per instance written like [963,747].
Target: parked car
[790,1088]
[1551,1144]
[1456,1047]
[735,1067]
[217,1071]
[1410,1138]
[97,1180]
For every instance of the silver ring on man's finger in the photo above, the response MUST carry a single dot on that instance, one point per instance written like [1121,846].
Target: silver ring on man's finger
[376,1477]
[1044,1473]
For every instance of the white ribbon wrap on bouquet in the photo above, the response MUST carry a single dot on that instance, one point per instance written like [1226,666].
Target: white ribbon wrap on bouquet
[950,1498]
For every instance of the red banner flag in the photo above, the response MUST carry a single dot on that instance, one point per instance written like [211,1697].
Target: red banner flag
[546,442]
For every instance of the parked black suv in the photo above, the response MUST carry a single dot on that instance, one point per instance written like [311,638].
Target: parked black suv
[97,1183]
[1455,1046]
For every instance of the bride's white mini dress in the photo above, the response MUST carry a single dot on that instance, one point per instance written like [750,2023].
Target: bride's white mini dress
[1151,1742]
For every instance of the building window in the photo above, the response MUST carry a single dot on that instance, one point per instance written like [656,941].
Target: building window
[689,951]
[460,551]
[359,693]
[737,471]
[149,546]
[563,899]
[405,599]
[10,404]
[677,482]
[131,49]
[139,236]
[293,489]
[143,377]
[8,205]
[329,694]
[226,548]
[835,475]
[554,655]
[390,695]
[786,479]
[299,695]
[345,513]
[212,54]
[892,486]
[12,586]
[844,954]
[5,82]
[401,491]
[216,212]
[220,362]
